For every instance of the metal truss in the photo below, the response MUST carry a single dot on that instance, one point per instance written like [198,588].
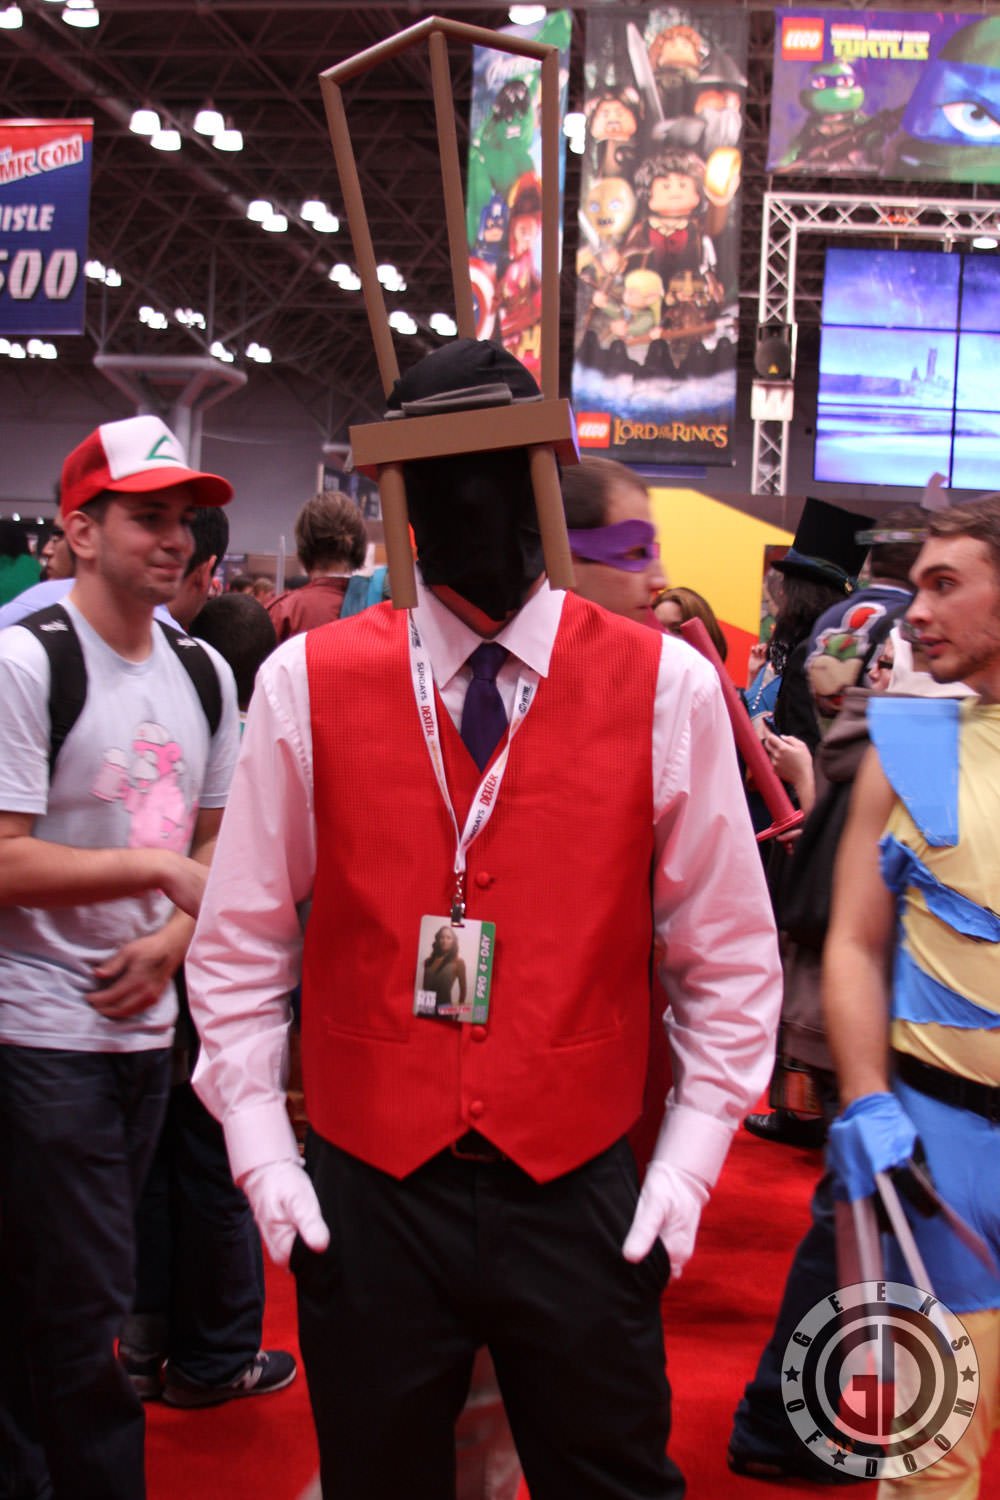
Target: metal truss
[787,216]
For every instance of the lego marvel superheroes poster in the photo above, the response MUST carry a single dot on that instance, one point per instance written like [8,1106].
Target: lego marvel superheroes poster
[654,367]
[891,94]
[504,191]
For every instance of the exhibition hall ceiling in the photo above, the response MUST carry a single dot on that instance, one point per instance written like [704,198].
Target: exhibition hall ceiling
[174,225]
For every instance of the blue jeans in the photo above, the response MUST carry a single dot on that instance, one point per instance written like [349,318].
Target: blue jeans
[77,1132]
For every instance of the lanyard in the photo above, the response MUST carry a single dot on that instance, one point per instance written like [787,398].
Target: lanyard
[488,790]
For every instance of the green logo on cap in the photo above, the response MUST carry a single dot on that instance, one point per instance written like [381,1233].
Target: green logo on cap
[154,452]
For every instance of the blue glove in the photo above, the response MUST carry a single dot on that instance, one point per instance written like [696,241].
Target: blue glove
[873,1135]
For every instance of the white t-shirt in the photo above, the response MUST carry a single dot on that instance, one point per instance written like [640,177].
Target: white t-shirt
[132,773]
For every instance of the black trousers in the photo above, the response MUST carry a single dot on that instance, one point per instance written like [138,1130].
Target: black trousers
[422,1272]
[200,1270]
[77,1131]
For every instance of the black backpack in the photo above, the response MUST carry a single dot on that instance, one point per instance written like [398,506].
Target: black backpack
[68,673]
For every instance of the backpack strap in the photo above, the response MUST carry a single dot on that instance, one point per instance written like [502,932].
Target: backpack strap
[53,627]
[200,668]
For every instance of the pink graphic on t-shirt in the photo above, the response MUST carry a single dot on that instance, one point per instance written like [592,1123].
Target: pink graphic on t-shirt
[147,782]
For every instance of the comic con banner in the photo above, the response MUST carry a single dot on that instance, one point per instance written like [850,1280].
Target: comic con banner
[654,365]
[504,197]
[886,93]
[44,206]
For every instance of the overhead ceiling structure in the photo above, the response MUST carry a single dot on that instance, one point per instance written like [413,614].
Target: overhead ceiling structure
[174,224]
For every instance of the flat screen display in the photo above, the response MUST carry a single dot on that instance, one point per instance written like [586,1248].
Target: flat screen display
[909,370]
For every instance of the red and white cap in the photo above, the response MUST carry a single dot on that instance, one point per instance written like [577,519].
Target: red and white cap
[133,457]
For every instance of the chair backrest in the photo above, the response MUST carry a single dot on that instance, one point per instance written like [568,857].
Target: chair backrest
[546,428]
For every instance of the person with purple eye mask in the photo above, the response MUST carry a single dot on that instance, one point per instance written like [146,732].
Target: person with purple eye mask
[611,535]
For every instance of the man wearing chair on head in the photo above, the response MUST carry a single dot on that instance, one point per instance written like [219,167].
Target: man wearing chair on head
[466,1179]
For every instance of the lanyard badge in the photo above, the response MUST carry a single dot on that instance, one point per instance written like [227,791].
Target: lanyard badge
[455,956]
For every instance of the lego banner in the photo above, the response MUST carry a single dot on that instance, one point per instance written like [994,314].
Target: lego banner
[654,366]
[503,197]
[44,208]
[886,93]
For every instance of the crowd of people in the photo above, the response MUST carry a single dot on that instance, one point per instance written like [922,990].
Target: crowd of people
[230,817]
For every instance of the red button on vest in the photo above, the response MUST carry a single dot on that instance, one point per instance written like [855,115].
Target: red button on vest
[477,1109]
[483,879]
[478,1033]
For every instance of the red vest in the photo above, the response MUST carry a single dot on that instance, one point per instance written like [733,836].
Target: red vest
[562,868]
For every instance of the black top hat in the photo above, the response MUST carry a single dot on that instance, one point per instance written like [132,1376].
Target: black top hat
[824,547]
[463,372]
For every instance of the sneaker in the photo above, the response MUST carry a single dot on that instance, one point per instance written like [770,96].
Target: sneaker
[144,1371]
[270,1370]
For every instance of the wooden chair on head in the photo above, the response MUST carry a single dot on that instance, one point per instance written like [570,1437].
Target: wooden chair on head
[546,428]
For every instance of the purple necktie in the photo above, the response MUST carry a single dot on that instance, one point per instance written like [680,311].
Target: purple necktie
[484,721]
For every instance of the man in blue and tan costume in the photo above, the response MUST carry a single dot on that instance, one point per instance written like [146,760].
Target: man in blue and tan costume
[918,877]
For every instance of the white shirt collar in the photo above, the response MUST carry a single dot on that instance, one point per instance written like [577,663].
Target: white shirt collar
[529,636]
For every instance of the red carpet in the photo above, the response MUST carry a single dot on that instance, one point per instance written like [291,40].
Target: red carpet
[717,1319]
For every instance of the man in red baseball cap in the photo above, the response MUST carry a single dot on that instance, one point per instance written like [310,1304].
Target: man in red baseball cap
[108,816]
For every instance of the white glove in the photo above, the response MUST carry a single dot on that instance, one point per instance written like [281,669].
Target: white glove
[284,1203]
[670,1206]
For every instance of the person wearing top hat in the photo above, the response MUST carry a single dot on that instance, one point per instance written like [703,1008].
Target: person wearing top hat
[104,855]
[819,569]
[466,1181]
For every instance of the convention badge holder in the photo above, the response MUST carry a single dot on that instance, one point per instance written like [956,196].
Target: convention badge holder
[474,946]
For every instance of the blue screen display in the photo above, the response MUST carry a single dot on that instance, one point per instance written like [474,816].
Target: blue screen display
[909,369]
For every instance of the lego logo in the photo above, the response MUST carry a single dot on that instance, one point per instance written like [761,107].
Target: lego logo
[593,429]
[802,39]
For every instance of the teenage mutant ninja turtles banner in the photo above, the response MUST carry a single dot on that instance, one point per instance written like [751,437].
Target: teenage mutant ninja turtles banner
[886,93]
[504,195]
[654,366]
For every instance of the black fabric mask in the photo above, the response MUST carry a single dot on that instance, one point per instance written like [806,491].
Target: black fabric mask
[473,514]
[474,521]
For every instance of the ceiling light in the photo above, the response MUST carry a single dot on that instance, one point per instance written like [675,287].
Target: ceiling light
[260,210]
[11,18]
[326,223]
[41,349]
[443,324]
[188,318]
[526,15]
[228,140]
[94,269]
[402,322]
[575,123]
[390,278]
[112,277]
[144,122]
[221,352]
[81,18]
[258,353]
[346,279]
[312,209]
[577,144]
[208,121]
[166,140]
[985,242]
[4,346]
[276,224]
[152,318]
[17,351]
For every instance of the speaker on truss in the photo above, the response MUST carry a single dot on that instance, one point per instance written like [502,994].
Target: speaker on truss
[773,356]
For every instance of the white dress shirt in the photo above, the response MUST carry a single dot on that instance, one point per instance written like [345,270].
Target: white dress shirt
[711,908]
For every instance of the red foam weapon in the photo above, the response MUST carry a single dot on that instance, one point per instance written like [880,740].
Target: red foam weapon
[767,782]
